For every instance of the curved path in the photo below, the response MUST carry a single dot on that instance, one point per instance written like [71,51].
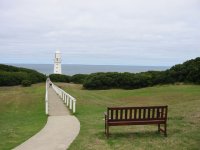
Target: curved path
[60,130]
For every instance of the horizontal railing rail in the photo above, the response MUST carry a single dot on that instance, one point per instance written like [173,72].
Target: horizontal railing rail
[68,99]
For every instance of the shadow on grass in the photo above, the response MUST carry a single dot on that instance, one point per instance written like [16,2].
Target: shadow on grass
[130,135]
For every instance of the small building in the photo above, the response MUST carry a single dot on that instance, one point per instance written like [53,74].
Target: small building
[57,63]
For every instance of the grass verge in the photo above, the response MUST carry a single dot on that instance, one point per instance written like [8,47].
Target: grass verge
[22,114]
[183,118]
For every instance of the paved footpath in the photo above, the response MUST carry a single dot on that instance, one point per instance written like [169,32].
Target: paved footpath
[60,130]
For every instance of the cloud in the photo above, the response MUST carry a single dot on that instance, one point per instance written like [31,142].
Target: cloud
[132,32]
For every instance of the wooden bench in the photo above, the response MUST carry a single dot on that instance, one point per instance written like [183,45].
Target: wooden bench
[119,116]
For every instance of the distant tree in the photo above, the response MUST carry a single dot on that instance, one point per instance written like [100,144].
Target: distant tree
[78,78]
[59,78]
[10,75]
[26,83]
[189,71]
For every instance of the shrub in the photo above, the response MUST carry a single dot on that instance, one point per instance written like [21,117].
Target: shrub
[10,75]
[78,78]
[189,71]
[59,78]
[26,83]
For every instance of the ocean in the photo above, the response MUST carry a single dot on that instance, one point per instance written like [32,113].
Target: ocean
[71,69]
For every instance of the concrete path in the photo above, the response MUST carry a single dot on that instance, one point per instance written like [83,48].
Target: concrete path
[59,132]
[56,106]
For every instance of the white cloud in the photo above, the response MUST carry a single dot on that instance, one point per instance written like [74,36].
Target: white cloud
[137,32]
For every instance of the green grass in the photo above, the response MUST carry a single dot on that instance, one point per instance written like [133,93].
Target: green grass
[22,114]
[183,118]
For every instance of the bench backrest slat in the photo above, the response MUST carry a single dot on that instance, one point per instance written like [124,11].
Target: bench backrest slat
[116,114]
[125,114]
[153,113]
[149,113]
[157,113]
[111,114]
[137,113]
[121,114]
[130,114]
[144,113]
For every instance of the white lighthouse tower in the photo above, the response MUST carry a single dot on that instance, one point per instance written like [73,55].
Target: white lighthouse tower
[57,63]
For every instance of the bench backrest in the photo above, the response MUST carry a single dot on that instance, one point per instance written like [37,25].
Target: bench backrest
[137,113]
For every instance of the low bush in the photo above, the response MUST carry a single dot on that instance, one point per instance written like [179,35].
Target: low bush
[26,83]
[78,78]
[188,72]
[59,78]
[10,75]
[117,80]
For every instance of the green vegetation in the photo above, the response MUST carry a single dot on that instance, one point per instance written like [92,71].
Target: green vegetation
[10,75]
[22,109]
[22,114]
[183,118]
[59,78]
[188,72]
[78,78]
[26,83]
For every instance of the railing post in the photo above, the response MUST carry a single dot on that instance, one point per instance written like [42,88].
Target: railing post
[74,106]
[67,100]
[64,96]
[64,99]
[47,108]
[70,106]
[46,98]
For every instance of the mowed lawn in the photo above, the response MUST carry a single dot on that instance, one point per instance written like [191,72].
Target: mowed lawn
[183,118]
[22,114]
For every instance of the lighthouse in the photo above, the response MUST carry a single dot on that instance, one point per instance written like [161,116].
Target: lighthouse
[57,63]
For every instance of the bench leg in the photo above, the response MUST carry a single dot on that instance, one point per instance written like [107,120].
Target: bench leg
[105,127]
[165,129]
[159,128]
[107,132]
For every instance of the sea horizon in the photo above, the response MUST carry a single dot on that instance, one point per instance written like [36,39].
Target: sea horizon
[71,69]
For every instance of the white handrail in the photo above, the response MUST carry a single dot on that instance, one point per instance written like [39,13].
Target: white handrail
[68,99]
[46,98]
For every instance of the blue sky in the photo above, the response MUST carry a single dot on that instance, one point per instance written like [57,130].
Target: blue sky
[112,32]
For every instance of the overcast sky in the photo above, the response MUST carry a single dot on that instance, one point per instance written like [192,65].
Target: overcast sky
[113,32]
